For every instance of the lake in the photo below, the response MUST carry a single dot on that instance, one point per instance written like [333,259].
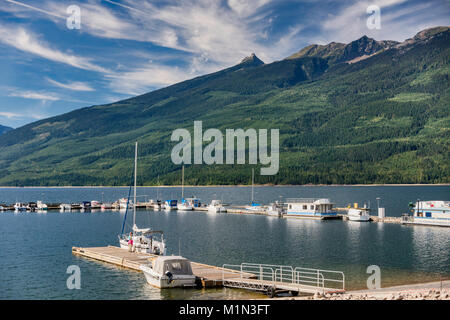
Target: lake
[36,248]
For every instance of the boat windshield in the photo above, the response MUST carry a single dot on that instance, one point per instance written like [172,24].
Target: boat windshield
[174,266]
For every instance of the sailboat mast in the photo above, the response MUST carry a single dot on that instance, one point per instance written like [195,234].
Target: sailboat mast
[253,181]
[135,182]
[182,182]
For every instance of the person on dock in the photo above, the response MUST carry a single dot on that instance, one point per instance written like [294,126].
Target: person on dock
[130,242]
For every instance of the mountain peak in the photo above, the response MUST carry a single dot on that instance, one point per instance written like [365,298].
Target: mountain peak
[430,32]
[252,60]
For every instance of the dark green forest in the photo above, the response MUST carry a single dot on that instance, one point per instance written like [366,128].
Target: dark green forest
[383,119]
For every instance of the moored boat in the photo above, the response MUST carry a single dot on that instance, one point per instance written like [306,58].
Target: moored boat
[216,206]
[65,207]
[185,205]
[169,272]
[358,214]
[41,206]
[276,209]
[18,207]
[435,212]
[141,239]
[170,205]
[310,208]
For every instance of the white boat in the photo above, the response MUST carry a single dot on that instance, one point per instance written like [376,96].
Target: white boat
[20,207]
[435,213]
[106,206]
[185,205]
[41,206]
[216,206]
[170,205]
[141,240]
[65,207]
[276,209]
[124,204]
[169,272]
[310,208]
[95,204]
[2,208]
[358,214]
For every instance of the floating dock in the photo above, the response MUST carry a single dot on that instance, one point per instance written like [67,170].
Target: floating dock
[207,275]
[256,277]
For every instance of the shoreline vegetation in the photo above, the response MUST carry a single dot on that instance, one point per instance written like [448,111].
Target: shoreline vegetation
[238,185]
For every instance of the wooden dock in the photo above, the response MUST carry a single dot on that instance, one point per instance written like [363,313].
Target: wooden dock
[207,275]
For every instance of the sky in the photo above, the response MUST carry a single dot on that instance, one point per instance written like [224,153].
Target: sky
[54,60]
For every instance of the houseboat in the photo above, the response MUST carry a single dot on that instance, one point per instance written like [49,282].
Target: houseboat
[436,213]
[310,208]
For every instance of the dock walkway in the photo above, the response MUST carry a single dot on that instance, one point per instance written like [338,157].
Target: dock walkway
[207,275]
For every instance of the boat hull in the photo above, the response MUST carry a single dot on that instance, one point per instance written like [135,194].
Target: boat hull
[162,282]
[359,218]
[429,221]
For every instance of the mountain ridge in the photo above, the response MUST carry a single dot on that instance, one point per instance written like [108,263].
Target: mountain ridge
[381,120]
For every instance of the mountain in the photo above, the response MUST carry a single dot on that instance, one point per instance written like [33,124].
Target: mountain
[4,129]
[340,52]
[364,112]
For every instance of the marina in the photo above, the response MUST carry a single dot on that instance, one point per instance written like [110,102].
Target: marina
[213,241]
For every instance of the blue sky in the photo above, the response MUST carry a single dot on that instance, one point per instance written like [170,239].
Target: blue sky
[129,47]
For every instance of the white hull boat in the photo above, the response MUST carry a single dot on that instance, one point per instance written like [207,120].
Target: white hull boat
[65,207]
[431,213]
[41,206]
[358,214]
[184,207]
[169,272]
[19,207]
[216,207]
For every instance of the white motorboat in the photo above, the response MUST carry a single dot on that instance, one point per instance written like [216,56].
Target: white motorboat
[276,209]
[65,207]
[216,206]
[185,205]
[18,207]
[41,206]
[169,272]
[124,204]
[141,240]
[170,205]
[359,214]
[95,204]
[2,208]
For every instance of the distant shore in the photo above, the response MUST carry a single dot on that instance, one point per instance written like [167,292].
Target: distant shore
[238,185]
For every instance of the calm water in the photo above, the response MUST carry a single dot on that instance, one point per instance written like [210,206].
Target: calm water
[36,248]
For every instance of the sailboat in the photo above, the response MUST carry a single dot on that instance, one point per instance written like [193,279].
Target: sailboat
[184,205]
[254,206]
[141,240]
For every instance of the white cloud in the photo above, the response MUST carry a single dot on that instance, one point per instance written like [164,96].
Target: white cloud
[139,80]
[75,85]
[34,95]
[10,115]
[24,40]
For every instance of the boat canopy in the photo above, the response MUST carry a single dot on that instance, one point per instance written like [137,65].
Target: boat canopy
[176,265]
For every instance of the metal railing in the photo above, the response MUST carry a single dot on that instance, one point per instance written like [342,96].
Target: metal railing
[288,276]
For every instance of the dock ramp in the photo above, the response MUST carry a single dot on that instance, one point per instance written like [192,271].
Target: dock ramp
[276,278]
